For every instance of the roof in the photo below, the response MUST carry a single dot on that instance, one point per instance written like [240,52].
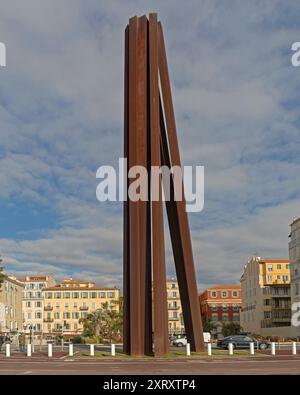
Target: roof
[274,260]
[62,288]
[223,287]
[31,279]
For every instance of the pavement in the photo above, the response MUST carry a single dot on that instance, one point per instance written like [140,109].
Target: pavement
[61,364]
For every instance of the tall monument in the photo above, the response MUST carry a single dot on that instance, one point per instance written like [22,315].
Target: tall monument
[150,139]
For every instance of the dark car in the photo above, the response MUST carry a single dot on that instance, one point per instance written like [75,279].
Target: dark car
[241,341]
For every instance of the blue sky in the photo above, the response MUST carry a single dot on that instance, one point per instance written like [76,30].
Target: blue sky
[236,98]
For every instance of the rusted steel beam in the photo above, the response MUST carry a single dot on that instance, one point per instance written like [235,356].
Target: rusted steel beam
[126,268]
[179,225]
[160,312]
[140,284]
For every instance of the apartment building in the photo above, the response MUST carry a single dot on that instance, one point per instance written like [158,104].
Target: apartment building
[294,253]
[266,297]
[221,303]
[33,302]
[66,303]
[175,318]
[11,293]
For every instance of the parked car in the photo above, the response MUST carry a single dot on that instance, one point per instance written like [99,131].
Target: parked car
[182,341]
[241,341]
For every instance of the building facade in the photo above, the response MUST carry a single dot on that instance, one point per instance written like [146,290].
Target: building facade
[11,293]
[221,303]
[266,297]
[66,303]
[33,302]
[175,318]
[294,253]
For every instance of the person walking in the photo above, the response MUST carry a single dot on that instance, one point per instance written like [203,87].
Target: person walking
[1,341]
[22,342]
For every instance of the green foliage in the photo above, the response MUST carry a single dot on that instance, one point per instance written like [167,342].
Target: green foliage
[230,329]
[103,323]
[2,275]
[209,326]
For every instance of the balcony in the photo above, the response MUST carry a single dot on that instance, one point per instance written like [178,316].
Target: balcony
[48,320]
[48,308]
[173,307]
[83,308]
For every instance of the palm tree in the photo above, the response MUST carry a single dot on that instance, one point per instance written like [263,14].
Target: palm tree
[105,323]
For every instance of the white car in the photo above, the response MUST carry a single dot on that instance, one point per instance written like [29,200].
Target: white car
[182,341]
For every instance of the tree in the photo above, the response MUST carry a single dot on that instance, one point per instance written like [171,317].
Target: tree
[2,275]
[230,329]
[209,326]
[103,323]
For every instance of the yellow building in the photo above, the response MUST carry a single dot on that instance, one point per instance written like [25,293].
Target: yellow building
[11,293]
[266,297]
[33,302]
[66,303]
[175,318]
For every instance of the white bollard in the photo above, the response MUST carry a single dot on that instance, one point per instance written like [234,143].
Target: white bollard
[209,349]
[294,348]
[92,350]
[28,350]
[7,350]
[50,354]
[188,349]
[70,350]
[251,348]
[273,349]
[230,349]
[113,350]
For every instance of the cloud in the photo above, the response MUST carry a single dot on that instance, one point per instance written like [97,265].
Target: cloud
[236,99]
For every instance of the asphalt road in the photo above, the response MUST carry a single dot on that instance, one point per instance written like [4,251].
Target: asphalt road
[39,364]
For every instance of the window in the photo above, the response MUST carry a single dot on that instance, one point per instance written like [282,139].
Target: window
[66,315]
[173,285]
[225,317]
[75,315]
[48,295]
[38,304]
[270,268]
[224,294]
[93,306]
[67,295]
[84,295]
[102,295]
[57,315]
[75,295]
[93,295]
[174,294]
[57,295]
[235,294]
[38,315]
[269,279]
[66,305]
[235,307]
[288,266]
[214,317]
[213,294]
[214,307]
[224,307]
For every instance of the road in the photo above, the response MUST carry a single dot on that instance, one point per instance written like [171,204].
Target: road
[40,364]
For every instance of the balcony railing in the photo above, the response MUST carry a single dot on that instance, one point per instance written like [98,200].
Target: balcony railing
[48,308]
[48,319]
[83,308]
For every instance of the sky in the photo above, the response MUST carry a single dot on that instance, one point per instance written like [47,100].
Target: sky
[236,97]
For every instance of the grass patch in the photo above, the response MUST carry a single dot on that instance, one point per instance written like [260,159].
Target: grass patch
[170,355]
